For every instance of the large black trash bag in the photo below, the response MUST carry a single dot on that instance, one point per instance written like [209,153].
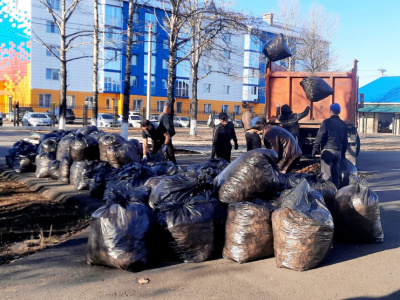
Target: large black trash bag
[49,145]
[64,169]
[84,148]
[160,156]
[138,146]
[122,192]
[42,164]
[97,134]
[316,88]
[302,227]
[24,162]
[119,236]
[80,182]
[277,49]
[51,135]
[64,146]
[164,168]
[207,171]
[347,170]
[248,234]
[136,173]
[54,169]
[356,214]
[121,154]
[106,141]
[252,175]
[97,179]
[154,181]
[176,189]
[75,172]
[190,228]
[20,154]
[86,130]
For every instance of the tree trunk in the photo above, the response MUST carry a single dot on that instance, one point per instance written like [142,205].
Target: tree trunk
[194,105]
[171,80]
[127,86]
[63,73]
[95,64]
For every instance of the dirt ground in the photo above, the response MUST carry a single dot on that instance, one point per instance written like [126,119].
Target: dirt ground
[31,222]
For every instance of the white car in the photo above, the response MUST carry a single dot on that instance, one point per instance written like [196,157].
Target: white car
[106,120]
[35,119]
[134,121]
[181,121]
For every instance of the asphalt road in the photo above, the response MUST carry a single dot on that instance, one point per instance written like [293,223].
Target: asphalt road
[348,272]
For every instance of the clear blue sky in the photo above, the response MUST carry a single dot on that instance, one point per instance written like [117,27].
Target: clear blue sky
[368,31]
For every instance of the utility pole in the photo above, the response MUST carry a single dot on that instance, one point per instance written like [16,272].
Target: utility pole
[382,70]
[149,56]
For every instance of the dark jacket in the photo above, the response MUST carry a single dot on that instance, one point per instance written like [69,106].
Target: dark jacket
[223,135]
[283,143]
[166,121]
[332,135]
[291,122]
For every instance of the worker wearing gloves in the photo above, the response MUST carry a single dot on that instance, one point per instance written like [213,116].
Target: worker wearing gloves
[332,136]
[160,139]
[280,140]
[224,133]
[253,140]
[290,120]
[166,121]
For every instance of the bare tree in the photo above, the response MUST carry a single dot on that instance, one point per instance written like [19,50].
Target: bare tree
[95,106]
[67,42]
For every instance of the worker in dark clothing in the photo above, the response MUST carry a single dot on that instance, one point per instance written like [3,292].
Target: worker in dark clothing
[290,120]
[224,133]
[253,140]
[281,141]
[166,121]
[332,136]
[159,136]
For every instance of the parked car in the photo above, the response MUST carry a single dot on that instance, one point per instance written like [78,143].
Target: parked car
[1,119]
[70,115]
[213,123]
[35,119]
[181,121]
[106,120]
[154,118]
[22,111]
[134,121]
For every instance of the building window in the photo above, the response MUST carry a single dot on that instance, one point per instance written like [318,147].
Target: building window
[227,54]
[137,104]
[135,37]
[134,81]
[153,45]
[236,109]
[164,84]
[108,103]
[182,88]
[53,51]
[227,37]
[51,27]
[112,81]
[206,88]
[225,108]
[70,101]
[160,106]
[53,74]
[183,69]
[134,60]
[44,100]
[226,89]
[164,64]
[150,18]
[112,60]
[153,64]
[89,102]
[178,107]
[166,44]
[153,84]
[207,109]
[253,90]
[54,4]
[136,18]
[113,16]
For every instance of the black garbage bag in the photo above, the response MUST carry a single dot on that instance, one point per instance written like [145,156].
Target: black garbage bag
[138,147]
[160,156]
[119,236]
[347,170]
[64,146]
[252,175]
[10,156]
[42,164]
[154,181]
[356,214]
[24,162]
[106,141]
[55,134]
[64,169]
[302,227]
[121,154]
[49,145]
[136,173]
[84,148]
[67,133]
[96,180]
[54,169]
[316,88]
[77,173]
[190,228]
[177,189]
[248,234]
[207,171]
[19,155]
[86,130]
[97,134]
[277,49]
[122,192]
[164,168]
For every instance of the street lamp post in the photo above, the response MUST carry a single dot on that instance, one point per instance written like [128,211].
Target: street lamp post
[150,27]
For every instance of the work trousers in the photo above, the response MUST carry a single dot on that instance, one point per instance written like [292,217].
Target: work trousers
[169,151]
[330,165]
[253,140]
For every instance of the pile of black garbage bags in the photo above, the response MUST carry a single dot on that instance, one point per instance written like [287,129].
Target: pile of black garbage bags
[246,210]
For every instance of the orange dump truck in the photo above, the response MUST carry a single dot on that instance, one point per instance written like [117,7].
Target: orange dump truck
[283,87]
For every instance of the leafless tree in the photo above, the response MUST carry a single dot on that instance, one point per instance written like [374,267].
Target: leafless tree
[68,41]
[95,62]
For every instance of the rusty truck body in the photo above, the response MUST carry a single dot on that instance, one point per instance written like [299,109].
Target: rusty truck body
[283,87]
